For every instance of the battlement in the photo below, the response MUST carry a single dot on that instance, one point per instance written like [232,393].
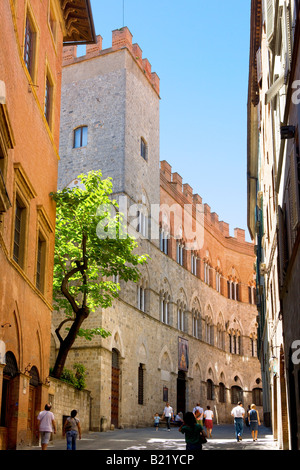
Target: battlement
[121,38]
[185,194]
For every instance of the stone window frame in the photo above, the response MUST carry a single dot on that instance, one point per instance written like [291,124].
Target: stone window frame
[144,149]
[31,21]
[49,96]
[7,142]
[53,22]
[23,194]
[44,230]
[77,129]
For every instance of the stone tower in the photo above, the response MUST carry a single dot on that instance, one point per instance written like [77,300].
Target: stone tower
[110,118]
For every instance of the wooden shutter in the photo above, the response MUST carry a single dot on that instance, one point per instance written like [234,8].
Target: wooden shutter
[270,20]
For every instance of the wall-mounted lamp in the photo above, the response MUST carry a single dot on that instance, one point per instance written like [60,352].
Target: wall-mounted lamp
[287,132]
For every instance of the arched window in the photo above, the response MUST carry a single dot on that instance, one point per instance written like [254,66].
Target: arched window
[80,137]
[210,389]
[181,316]
[236,394]
[164,307]
[257,396]
[222,395]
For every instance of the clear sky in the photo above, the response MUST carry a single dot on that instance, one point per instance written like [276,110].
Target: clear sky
[200,51]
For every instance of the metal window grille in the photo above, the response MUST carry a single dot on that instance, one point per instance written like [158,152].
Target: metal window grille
[141,385]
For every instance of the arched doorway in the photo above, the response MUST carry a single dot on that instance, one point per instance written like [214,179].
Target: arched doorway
[115,387]
[32,399]
[181,392]
[10,372]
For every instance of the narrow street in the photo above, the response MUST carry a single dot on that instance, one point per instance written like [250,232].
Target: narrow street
[150,440]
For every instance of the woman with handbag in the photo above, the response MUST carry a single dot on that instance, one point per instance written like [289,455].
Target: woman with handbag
[72,429]
[194,433]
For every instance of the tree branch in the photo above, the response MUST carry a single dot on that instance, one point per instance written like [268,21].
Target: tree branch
[57,331]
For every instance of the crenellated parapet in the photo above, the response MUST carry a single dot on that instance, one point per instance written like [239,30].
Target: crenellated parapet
[121,38]
[183,194]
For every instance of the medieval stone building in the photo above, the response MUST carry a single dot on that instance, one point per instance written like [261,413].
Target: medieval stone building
[187,332]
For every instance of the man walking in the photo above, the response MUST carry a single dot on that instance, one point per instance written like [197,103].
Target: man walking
[46,425]
[168,414]
[238,413]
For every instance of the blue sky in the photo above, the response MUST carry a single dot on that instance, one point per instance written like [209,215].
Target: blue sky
[200,51]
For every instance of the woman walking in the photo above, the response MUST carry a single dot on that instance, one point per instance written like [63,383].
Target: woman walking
[208,422]
[72,429]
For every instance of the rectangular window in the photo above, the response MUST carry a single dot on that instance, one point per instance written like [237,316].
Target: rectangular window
[143,149]
[141,385]
[80,137]
[29,47]
[48,101]
[19,234]
[40,264]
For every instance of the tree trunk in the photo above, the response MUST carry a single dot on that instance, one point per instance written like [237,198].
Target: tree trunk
[67,343]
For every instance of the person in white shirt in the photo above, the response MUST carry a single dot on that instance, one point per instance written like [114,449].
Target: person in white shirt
[168,414]
[46,425]
[238,413]
[208,423]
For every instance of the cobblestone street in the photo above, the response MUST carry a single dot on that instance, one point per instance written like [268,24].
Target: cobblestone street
[148,439]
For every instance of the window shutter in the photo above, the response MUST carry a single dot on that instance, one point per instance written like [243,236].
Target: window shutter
[258,65]
[270,20]
[282,246]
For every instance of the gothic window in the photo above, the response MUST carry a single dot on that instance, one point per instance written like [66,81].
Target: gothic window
[236,394]
[218,281]
[180,316]
[209,390]
[196,324]
[209,331]
[179,253]
[257,397]
[206,273]
[222,395]
[164,308]
[234,342]
[194,264]
[80,137]
[163,241]
[141,296]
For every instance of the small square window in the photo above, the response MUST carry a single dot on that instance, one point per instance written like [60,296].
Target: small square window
[80,137]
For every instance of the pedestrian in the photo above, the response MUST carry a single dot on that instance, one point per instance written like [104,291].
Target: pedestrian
[247,417]
[157,419]
[72,430]
[168,414]
[179,418]
[46,426]
[198,412]
[238,413]
[208,422]
[254,421]
[192,431]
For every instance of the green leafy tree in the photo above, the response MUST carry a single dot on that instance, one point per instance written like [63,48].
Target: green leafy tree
[92,245]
